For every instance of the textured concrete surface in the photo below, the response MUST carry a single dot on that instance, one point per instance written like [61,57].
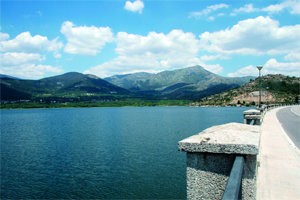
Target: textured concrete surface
[279,170]
[249,178]
[251,112]
[257,119]
[232,138]
[252,116]
[210,157]
[207,175]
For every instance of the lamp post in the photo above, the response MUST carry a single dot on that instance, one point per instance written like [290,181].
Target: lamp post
[259,69]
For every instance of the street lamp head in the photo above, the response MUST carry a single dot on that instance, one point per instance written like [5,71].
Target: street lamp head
[259,67]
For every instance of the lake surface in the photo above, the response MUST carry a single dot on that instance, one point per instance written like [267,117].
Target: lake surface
[103,153]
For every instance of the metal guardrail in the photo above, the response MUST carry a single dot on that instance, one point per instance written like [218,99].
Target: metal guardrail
[233,185]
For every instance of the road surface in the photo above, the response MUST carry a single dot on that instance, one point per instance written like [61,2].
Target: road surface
[278,175]
[289,119]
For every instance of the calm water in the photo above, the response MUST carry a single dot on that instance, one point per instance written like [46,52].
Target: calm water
[100,152]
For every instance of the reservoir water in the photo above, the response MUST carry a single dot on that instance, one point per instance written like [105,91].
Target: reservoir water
[100,153]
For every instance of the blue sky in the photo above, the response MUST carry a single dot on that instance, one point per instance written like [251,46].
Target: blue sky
[107,37]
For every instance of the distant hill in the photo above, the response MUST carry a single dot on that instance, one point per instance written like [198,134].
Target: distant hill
[275,89]
[70,85]
[7,76]
[187,83]
[8,93]
[183,84]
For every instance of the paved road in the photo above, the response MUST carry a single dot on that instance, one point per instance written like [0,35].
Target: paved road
[290,121]
[278,175]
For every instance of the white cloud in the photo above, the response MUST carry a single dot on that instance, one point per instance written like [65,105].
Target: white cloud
[274,8]
[272,66]
[258,36]
[85,40]
[247,8]
[29,71]
[208,10]
[57,55]
[158,44]
[211,18]
[293,56]
[293,6]
[3,36]
[217,68]
[24,42]
[25,65]
[23,55]
[154,52]
[136,6]
[125,65]
[9,58]
[48,68]
[214,57]
[245,71]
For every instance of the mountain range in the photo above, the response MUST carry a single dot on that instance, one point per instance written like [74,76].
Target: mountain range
[72,85]
[188,83]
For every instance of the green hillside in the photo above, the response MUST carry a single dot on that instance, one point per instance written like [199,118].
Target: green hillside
[275,89]
[183,84]
[166,88]
[73,85]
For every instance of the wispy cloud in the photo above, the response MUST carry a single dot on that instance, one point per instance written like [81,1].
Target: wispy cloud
[207,11]
[39,13]
[214,57]
[247,8]
[293,56]
[293,6]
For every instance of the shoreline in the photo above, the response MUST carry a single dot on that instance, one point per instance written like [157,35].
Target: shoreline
[125,106]
[130,103]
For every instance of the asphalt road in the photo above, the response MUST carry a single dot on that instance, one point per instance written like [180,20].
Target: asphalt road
[290,121]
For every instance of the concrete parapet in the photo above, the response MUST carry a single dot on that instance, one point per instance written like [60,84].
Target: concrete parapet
[253,114]
[210,156]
